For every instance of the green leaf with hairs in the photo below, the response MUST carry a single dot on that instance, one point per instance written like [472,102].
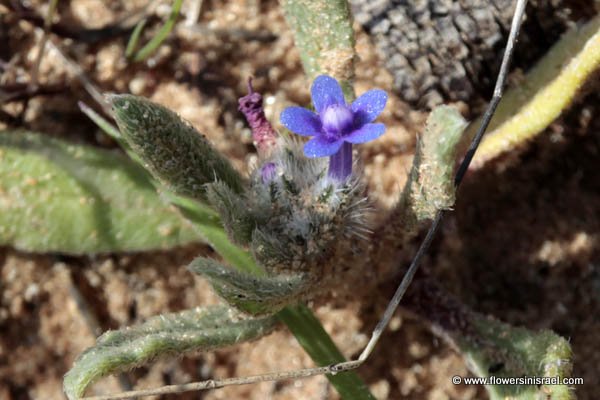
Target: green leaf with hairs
[200,329]
[257,295]
[175,153]
[433,189]
[546,91]
[76,199]
[496,348]
[238,221]
[324,36]
[430,186]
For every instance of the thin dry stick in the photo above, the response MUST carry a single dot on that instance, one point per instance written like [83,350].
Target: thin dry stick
[406,280]
[90,318]
[47,23]
[76,69]
[87,83]
[193,13]
[217,383]
[489,112]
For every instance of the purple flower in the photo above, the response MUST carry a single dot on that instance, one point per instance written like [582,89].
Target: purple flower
[268,172]
[336,125]
[251,105]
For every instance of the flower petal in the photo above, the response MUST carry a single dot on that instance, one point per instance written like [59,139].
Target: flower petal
[366,133]
[321,147]
[368,106]
[326,91]
[301,121]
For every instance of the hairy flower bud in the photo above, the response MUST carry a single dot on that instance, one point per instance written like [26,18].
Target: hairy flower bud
[308,214]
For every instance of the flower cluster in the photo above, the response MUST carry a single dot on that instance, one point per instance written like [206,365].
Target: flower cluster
[336,125]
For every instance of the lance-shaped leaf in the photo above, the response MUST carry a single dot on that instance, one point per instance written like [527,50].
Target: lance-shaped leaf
[172,334]
[504,351]
[430,186]
[546,91]
[323,34]
[494,348]
[174,152]
[75,199]
[234,211]
[252,294]
[271,252]
[204,220]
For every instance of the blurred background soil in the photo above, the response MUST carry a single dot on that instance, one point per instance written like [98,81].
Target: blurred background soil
[522,244]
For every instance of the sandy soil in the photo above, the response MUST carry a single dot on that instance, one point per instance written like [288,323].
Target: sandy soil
[522,244]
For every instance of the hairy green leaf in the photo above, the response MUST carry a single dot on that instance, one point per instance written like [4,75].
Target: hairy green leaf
[252,294]
[435,159]
[75,199]
[323,34]
[237,219]
[172,150]
[200,329]
[496,348]
[431,185]
[204,220]
[545,92]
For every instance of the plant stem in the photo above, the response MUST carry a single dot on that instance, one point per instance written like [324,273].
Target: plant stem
[316,342]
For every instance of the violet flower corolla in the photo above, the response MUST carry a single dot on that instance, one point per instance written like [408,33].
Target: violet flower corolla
[336,125]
